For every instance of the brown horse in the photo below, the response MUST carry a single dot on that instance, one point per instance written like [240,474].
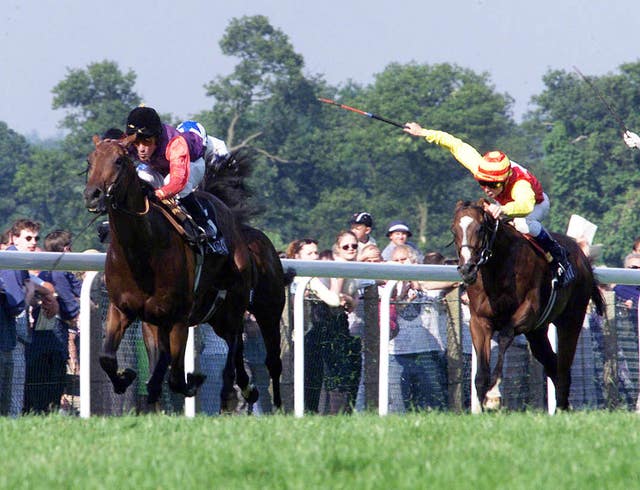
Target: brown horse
[152,274]
[511,290]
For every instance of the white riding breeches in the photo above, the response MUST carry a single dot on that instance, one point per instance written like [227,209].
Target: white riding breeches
[531,223]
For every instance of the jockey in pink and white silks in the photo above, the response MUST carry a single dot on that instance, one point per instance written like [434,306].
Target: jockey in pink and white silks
[516,192]
[172,161]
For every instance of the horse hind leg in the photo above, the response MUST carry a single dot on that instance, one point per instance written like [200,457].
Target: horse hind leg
[568,333]
[270,330]
[248,390]
[542,351]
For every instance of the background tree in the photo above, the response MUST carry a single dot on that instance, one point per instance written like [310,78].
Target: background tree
[94,99]
[14,151]
[594,173]
[267,102]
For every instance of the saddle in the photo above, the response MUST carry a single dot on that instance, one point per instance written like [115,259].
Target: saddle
[182,222]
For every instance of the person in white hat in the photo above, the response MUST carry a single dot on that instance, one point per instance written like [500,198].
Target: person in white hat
[398,233]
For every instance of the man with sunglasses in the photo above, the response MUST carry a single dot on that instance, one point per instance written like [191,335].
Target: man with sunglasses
[17,291]
[517,192]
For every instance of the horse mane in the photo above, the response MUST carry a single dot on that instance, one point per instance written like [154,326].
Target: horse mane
[229,184]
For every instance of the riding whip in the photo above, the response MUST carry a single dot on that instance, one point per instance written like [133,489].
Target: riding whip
[604,101]
[358,111]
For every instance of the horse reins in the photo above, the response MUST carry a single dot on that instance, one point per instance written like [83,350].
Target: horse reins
[487,242]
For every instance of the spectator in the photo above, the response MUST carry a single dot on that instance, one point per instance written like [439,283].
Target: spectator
[370,253]
[212,358]
[53,341]
[22,289]
[398,233]
[5,239]
[326,254]
[104,233]
[317,317]
[361,225]
[417,360]
[636,245]
[344,363]
[627,294]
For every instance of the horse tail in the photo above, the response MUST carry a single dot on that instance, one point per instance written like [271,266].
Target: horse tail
[228,182]
[597,298]
[289,275]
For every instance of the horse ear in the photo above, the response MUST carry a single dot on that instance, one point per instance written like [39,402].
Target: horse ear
[459,204]
[128,140]
[96,139]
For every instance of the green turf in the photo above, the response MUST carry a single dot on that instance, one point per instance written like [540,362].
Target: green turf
[518,450]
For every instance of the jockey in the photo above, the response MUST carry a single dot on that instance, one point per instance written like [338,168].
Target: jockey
[173,164]
[517,192]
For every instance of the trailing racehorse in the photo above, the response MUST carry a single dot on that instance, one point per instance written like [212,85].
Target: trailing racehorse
[154,275]
[512,290]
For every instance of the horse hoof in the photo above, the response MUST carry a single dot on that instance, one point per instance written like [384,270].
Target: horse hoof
[153,393]
[492,403]
[250,394]
[195,379]
[124,379]
[229,406]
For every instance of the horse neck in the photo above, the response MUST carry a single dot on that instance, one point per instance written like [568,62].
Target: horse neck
[130,214]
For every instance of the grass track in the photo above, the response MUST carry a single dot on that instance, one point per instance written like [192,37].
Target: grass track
[519,450]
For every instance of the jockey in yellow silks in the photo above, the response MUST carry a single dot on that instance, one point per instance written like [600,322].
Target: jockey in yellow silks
[516,192]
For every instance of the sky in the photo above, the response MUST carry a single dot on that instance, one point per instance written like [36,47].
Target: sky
[173,46]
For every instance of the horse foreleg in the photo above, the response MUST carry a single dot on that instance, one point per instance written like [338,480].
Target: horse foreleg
[116,325]
[159,358]
[493,398]
[481,339]
[177,342]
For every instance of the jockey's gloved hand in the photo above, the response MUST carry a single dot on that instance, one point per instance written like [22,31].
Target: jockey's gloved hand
[631,139]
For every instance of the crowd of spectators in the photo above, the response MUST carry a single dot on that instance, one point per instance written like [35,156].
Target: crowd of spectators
[39,313]
[39,331]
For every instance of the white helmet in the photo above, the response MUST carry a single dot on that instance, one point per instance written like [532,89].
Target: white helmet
[193,127]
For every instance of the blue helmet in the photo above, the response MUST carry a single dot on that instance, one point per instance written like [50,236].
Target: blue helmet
[193,127]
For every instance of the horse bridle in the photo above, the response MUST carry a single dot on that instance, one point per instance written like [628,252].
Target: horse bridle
[488,239]
[123,159]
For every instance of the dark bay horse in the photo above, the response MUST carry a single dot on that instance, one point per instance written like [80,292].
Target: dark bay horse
[152,274]
[509,285]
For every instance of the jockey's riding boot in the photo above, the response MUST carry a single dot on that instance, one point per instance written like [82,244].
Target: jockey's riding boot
[565,272]
[209,231]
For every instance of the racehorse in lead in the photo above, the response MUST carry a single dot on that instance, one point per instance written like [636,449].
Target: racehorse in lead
[512,290]
[154,275]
